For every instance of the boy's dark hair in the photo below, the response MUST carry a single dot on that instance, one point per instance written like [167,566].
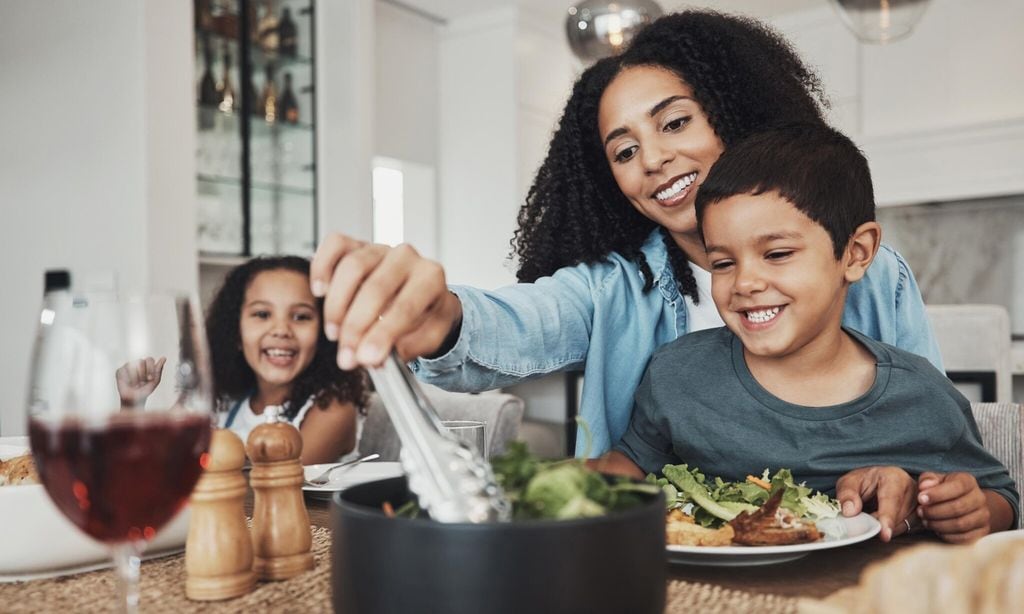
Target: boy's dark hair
[744,75]
[816,168]
[233,378]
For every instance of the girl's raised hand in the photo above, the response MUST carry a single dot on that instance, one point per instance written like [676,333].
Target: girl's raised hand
[137,379]
[377,298]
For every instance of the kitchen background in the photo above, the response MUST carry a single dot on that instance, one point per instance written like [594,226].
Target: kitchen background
[428,117]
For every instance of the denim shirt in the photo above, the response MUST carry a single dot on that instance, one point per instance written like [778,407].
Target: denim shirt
[597,318]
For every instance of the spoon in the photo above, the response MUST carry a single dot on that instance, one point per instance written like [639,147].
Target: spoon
[323,478]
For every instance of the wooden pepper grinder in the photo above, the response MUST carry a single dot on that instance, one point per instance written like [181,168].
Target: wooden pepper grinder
[281,535]
[218,551]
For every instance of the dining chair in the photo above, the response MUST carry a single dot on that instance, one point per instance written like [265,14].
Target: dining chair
[975,344]
[1002,431]
[502,412]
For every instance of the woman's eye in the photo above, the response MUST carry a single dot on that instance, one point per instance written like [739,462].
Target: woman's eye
[263,315]
[779,255]
[721,265]
[626,154]
[302,317]
[676,124]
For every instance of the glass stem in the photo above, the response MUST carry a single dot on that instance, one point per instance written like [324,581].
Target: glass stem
[127,561]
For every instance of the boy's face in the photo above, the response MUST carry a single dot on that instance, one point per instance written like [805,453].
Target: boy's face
[775,279]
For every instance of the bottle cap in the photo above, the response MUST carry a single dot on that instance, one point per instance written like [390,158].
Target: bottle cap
[56,279]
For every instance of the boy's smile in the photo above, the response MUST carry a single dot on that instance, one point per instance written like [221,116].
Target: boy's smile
[775,278]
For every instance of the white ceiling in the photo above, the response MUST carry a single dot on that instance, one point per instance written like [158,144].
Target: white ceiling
[451,9]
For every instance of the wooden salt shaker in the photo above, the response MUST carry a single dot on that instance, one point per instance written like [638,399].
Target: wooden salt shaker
[218,551]
[281,535]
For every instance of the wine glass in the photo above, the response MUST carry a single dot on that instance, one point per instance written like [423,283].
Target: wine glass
[120,415]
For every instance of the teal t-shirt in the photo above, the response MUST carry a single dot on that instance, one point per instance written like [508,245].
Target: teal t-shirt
[698,403]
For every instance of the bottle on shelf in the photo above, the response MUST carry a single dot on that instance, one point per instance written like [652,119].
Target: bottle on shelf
[288,34]
[209,95]
[289,105]
[269,102]
[203,12]
[266,30]
[224,20]
[225,89]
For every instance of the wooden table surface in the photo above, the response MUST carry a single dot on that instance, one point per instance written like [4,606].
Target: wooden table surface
[818,574]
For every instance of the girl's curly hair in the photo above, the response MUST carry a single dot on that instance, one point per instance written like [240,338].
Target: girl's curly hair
[234,378]
[744,75]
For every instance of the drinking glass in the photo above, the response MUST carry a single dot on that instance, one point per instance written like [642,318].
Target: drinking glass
[469,431]
[119,416]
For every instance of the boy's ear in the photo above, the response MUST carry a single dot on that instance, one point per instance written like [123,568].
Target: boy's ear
[861,250]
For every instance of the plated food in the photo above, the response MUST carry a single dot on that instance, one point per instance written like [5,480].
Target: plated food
[18,471]
[760,511]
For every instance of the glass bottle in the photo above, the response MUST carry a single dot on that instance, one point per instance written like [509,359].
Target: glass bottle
[267,29]
[209,94]
[225,88]
[288,34]
[269,100]
[289,106]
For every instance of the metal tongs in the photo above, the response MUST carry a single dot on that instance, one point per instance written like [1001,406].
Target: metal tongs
[451,479]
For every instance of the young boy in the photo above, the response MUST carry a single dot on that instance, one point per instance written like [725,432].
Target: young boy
[787,218]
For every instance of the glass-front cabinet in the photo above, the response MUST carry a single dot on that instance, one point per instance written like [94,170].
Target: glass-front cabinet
[256,126]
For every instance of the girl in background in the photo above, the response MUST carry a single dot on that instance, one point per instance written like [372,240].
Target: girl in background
[268,349]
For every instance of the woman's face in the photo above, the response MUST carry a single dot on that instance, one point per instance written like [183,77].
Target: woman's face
[659,144]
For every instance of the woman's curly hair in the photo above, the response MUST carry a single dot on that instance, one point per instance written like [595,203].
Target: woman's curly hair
[744,75]
[233,377]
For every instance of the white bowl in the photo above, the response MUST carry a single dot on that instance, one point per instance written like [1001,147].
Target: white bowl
[38,541]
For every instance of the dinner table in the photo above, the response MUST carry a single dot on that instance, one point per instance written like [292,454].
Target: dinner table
[762,588]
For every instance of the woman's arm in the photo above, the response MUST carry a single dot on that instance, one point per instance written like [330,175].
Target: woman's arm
[328,433]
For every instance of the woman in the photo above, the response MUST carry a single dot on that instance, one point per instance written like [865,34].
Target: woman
[610,264]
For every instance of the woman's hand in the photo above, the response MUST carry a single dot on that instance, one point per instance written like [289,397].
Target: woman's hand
[378,297]
[892,491]
[957,509]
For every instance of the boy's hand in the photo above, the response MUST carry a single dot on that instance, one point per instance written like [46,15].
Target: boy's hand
[953,506]
[890,489]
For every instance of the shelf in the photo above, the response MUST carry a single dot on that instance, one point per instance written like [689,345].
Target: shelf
[259,126]
[262,186]
[221,260]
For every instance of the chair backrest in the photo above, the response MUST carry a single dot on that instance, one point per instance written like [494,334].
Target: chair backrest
[502,412]
[1002,432]
[975,339]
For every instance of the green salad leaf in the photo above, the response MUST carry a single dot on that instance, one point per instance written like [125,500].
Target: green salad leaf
[560,489]
[712,503]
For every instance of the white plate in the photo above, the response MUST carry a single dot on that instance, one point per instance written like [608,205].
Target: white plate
[344,478]
[39,542]
[1002,537]
[853,530]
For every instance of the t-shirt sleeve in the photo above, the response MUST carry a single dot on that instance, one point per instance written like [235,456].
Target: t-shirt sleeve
[647,441]
[970,455]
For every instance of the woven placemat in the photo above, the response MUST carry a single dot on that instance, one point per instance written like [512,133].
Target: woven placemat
[683,597]
[163,590]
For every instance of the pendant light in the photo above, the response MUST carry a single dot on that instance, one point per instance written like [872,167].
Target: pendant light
[599,28]
[880,21]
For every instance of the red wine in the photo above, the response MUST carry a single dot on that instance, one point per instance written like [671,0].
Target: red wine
[125,479]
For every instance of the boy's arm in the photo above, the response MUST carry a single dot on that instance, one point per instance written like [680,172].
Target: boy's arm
[616,463]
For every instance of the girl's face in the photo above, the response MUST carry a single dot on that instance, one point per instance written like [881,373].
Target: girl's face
[659,144]
[279,327]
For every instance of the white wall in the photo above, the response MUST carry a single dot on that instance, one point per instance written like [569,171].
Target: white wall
[345,116]
[406,86]
[97,164]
